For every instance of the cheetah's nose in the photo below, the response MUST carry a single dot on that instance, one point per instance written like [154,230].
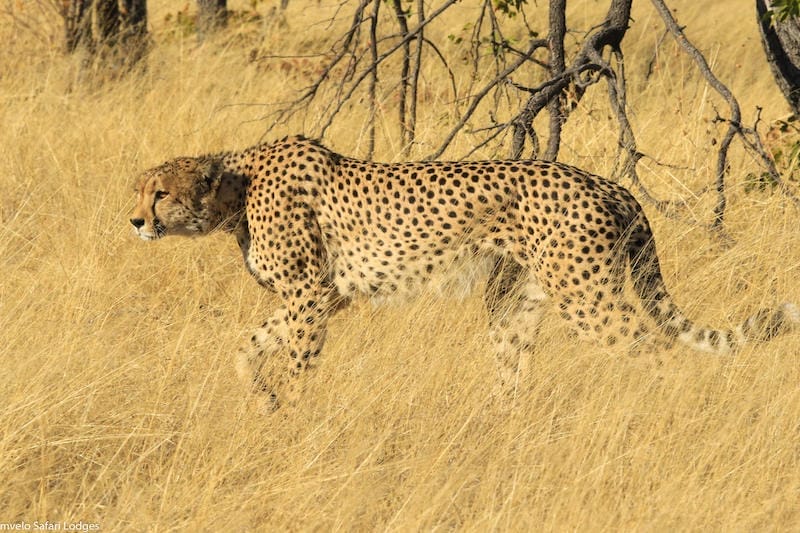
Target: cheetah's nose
[137,222]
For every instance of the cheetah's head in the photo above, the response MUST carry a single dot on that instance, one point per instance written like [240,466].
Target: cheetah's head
[177,198]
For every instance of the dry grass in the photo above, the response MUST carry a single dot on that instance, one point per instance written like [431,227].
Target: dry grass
[119,403]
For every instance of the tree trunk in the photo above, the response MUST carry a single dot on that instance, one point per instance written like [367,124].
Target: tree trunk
[555,43]
[111,31]
[781,40]
[211,16]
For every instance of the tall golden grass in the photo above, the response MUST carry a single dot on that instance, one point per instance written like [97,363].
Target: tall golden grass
[119,405]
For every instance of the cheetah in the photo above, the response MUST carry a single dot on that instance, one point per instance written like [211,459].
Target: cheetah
[318,228]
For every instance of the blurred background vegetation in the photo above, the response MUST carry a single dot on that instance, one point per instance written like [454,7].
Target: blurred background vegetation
[120,404]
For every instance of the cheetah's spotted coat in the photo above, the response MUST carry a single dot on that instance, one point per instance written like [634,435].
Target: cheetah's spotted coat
[317,228]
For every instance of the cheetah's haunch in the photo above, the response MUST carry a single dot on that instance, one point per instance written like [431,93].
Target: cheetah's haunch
[317,227]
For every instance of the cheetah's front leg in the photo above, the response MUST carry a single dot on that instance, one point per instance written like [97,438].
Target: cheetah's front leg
[285,345]
[307,314]
[255,362]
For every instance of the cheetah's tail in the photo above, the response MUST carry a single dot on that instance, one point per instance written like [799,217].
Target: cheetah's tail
[649,285]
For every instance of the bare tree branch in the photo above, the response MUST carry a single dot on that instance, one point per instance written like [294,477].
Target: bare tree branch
[346,90]
[609,33]
[310,92]
[359,55]
[733,104]
[753,143]
[478,97]
[617,94]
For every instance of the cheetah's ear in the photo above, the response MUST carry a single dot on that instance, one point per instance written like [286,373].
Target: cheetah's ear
[211,173]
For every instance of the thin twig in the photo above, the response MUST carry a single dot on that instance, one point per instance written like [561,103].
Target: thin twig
[412,34]
[751,140]
[450,73]
[478,97]
[310,92]
[499,129]
[651,65]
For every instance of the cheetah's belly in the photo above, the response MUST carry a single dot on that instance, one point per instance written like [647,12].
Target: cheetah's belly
[446,272]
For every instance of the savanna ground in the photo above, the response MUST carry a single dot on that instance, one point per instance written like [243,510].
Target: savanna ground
[120,405]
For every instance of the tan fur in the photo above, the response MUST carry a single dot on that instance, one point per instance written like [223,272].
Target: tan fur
[317,228]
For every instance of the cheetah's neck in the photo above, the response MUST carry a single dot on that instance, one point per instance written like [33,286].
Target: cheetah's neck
[231,197]
[226,208]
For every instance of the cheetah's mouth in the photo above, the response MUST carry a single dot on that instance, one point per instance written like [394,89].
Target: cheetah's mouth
[159,231]
[159,228]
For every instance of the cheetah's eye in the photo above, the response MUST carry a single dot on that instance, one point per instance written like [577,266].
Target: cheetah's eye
[160,195]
